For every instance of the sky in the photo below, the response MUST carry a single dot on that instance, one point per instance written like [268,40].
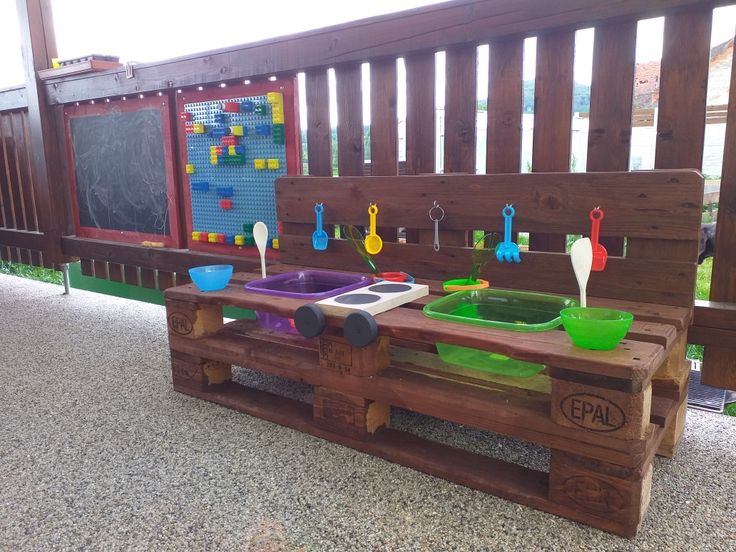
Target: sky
[178,27]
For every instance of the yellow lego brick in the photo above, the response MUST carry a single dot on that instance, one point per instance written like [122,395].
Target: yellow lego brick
[198,128]
[236,130]
[273,164]
[275,243]
[213,159]
[212,237]
[195,236]
[275,97]
[239,240]
[277,119]
[189,168]
[213,150]
[231,150]
[259,164]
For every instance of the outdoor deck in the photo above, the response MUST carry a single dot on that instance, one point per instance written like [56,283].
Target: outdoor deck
[100,452]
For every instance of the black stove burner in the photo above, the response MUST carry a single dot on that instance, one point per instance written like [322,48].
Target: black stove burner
[357,299]
[389,288]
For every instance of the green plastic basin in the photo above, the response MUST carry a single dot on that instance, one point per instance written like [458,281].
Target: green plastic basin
[595,328]
[502,309]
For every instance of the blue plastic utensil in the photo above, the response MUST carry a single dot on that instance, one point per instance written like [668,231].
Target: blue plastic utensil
[319,237]
[507,250]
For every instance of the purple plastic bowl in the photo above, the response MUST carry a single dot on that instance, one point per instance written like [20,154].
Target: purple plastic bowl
[312,285]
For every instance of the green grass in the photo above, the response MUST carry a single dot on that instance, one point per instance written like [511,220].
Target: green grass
[31,272]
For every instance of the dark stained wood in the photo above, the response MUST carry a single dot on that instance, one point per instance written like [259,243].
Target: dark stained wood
[505,106]
[88,268]
[683,86]
[319,134]
[460,109]
[165,280]
[433,27]
[21,184]
[611,96]
[22,238]
[37,36]
[384,128]
[13,98]
[115,271]
[148,278]
[172,260]
[660,282]
[420,112]
[349,119]
[100,269]
[556,202]
[131,275]
[552,118]
[8,183]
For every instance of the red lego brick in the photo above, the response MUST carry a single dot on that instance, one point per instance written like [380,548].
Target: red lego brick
[231,107]
[226,204]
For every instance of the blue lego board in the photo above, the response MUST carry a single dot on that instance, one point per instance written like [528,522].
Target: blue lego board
[234,177]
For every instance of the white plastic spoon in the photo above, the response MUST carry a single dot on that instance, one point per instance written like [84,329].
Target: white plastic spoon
[260,236]
[581,255]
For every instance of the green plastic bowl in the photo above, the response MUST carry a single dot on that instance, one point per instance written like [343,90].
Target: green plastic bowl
[594,328]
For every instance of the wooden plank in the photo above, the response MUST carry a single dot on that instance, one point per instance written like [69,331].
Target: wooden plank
[39,43]
[659,282]
[165,280]
[719,364]
[552,119]
[611,97]
[22,182]
[505,106]
[148,278]
[115,271]
[100,268]
[420,122]
[384,128]
[88,268]
[171,260]
[349,119]
[13,98]
[22,238]
[420,125]
[683,86]
[460,108]
[553,202]
[12,216]
[131,275]
[432,28]
[319,133]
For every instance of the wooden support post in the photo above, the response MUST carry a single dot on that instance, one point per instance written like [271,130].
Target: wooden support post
[336,354]
[619,414]
[674,430]
[348,414]
[601,492]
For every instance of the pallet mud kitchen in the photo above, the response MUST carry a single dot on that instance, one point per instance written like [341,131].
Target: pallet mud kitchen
[581,352]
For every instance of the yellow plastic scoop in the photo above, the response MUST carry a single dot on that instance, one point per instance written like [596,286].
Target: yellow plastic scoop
[373,242]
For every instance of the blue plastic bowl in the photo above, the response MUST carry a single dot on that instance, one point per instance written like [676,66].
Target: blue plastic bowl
[211,277]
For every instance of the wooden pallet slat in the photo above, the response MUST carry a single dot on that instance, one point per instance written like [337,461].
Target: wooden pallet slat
[552,118]
[350,119]
[319,132]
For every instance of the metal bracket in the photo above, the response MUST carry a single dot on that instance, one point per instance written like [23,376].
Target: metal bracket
[129,71]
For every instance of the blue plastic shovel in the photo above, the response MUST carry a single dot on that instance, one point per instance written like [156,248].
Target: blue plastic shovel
[507,250]
[319,236]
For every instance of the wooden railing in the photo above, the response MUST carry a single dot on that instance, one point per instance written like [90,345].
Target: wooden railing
[457,28]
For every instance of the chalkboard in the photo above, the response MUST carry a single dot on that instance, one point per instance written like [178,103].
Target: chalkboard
[122,176]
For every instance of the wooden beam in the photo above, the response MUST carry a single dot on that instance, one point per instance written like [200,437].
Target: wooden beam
[432,28]
[47,166]
[22,238]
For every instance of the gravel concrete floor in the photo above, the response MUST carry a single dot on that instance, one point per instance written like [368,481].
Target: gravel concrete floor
[97,452]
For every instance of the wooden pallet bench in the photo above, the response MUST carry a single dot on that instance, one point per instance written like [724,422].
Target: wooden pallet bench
[602,414]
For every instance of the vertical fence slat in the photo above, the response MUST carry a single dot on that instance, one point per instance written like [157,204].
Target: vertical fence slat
[349,120]
[22,178]
[29,190]
[130,274]
[148,278]
[505,106]
[420,119]
[165,280]
[87,267]
[318,122]
[552,117]
[460,109]
[384,126]
[719,364]
[11,220]
[115,272]
[611,97]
